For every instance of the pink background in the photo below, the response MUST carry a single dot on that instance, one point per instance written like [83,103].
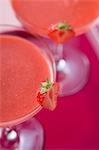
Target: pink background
[75,122]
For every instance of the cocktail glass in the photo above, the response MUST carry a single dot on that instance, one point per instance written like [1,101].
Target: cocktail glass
[39,15]
[22,133]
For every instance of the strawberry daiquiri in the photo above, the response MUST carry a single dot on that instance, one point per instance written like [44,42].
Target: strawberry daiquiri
[23,67]
[61,21]
[38,15]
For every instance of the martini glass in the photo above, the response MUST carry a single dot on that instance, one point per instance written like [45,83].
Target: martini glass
[14,133]
[38,16]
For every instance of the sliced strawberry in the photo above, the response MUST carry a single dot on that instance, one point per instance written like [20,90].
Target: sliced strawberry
[61,32]
[49,98]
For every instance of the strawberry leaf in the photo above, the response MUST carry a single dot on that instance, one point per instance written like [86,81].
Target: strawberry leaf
[45,86]
[64,26]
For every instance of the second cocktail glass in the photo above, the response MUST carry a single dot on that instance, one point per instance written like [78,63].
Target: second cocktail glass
[40,16]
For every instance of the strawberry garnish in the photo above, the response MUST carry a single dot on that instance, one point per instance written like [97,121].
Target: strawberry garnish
[61,32]
[47,95]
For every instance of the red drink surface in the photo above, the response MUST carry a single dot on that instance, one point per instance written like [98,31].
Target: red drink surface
[22,68]
[39,15]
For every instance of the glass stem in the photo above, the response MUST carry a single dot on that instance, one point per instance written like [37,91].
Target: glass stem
[9,138]
[59,52]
